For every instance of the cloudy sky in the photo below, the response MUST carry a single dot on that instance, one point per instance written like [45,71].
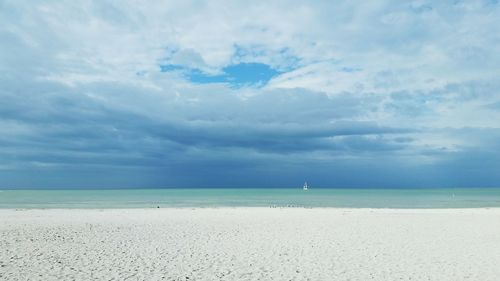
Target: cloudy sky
[222,93]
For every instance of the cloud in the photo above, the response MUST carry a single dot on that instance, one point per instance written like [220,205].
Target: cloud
[100,93]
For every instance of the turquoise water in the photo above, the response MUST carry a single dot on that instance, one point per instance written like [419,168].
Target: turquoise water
[257,197]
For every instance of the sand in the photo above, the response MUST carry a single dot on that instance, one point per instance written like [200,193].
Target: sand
[250,244]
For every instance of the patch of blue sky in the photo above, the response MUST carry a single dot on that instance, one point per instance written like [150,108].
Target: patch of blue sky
[236,75]
[250,73]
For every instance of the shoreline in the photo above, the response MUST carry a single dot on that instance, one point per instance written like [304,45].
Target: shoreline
[248,207]
[279,198]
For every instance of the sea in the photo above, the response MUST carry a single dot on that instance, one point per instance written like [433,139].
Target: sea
[252,197]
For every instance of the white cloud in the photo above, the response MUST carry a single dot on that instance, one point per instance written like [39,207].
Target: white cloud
[411,65]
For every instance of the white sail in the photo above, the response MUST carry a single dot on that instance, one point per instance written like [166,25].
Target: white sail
[305,186]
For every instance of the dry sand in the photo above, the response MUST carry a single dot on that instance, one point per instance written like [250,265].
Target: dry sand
[250,244]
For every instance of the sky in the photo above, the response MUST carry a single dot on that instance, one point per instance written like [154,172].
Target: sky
[156,94]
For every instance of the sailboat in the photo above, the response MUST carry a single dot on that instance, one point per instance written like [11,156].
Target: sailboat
[305,186]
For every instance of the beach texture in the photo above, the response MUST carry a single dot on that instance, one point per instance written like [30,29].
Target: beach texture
[250,244]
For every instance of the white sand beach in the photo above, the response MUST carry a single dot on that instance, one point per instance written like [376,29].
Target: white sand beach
[250,244]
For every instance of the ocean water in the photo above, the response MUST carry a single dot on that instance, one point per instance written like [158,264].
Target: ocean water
[254,197]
